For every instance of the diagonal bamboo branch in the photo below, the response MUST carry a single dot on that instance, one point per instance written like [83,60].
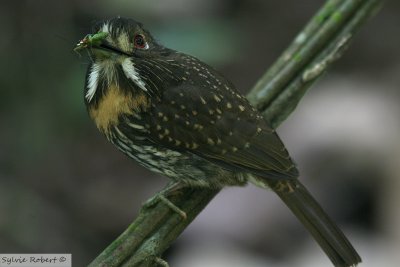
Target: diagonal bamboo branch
[276,94]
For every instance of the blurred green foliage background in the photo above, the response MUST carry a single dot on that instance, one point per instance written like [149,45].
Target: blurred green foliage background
[64,189]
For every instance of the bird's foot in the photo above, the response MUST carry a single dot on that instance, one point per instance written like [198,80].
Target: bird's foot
[162,197]
[161,262]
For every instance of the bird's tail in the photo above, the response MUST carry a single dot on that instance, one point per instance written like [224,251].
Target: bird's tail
[331,239]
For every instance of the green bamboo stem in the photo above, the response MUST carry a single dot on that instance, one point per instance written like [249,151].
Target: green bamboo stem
[286,101]
[327,30]
[303,37]
[276,94]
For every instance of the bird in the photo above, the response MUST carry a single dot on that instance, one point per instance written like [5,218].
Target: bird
[179,117]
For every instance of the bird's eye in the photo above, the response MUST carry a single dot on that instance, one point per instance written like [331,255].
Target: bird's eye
[139,42]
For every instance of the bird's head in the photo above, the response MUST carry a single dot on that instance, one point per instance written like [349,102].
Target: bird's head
[118,38]
[124,54]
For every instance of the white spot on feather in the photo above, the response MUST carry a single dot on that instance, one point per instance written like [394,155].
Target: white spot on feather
[106,27]
[135,126]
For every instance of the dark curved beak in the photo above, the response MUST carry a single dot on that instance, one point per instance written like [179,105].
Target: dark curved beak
[107,47]
[97,43]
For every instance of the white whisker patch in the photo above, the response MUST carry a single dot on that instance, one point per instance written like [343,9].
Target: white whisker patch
[132,74]
[93,81]
[105,69]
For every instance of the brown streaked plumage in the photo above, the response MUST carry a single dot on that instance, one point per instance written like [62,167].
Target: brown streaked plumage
[177,116]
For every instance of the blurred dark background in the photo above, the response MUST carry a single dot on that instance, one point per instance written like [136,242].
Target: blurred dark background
[64,189]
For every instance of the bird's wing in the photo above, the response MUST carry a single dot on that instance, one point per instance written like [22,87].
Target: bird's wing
[221,127]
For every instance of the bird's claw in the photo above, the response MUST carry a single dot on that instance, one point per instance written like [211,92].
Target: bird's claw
[161,262]
[160,197]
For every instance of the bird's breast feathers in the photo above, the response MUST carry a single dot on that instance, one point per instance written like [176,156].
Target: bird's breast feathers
[113,104]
